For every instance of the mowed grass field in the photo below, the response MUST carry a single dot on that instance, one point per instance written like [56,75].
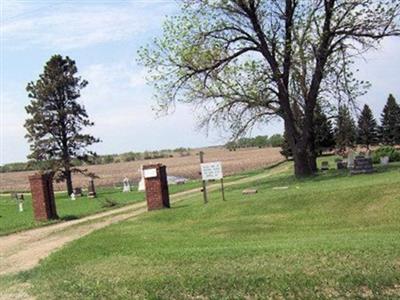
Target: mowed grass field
[331,236]
[11,220]
[234,162]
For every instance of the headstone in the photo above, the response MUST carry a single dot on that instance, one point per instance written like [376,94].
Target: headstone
[73,196]
[157,194]
[127,185]
[350,159]
[78,192]
[20,199]
[362,165]
[141,186]
[341,164]
[249,191]
[91,189]
[384,160]
[325,165]
[43,202]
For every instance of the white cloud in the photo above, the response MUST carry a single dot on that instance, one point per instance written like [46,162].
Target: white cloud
[77,26]
[138,78]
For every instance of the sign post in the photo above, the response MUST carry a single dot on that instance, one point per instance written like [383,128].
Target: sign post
[201,154]
[213,171]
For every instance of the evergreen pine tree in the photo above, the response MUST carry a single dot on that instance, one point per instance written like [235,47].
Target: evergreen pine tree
[390,122]
[56,120]
[367,133]
[324,138]
[286,150]
[345,131]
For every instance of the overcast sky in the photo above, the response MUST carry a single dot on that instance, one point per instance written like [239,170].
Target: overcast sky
[103,37]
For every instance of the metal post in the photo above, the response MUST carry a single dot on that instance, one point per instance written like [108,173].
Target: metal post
[201,154]
[222,189]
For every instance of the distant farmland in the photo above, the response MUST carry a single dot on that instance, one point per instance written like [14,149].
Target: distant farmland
[187,166]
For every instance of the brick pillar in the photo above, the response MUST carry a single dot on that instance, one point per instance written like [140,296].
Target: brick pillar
[44,205]
[155,178]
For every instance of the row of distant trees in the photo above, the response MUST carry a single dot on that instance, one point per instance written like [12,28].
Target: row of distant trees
[347,133]
[102,159]
[259,141]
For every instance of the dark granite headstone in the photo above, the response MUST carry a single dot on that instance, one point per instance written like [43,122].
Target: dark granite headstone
[78,192]
[91,189]
[362,165]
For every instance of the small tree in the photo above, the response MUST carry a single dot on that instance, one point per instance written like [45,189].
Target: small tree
[56,120]
[260,141]
[390,122]
[367,134]
[276,140]
[345,131]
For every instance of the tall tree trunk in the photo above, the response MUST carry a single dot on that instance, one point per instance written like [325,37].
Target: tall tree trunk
[304,159]
[312,153]
[68,179]
[302,167]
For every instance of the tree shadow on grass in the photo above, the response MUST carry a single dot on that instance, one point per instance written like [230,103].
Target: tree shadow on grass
[69,218]
[179,206]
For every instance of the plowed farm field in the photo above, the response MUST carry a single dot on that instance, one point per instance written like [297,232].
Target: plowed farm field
[233,162]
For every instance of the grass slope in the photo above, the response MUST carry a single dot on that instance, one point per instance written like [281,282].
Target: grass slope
[332,236]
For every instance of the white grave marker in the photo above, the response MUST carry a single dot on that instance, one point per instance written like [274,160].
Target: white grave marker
[141,186]
[127,185]
[21,206]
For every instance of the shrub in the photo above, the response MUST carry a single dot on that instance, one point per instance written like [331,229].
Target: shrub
[391,152]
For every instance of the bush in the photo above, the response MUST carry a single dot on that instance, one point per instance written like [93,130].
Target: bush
[391,152]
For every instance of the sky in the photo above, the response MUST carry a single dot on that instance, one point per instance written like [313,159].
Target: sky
[103,38]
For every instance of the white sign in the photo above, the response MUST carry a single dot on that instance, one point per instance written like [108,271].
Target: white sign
[150,173]
[211,171]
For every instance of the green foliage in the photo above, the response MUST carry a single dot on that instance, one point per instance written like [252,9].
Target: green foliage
[243,63]
[286,150]
[367,131]
[275,140]
[330,236]
[391,152]
[56,120]
[390,122]
[100,159]
[258,141]
[324,139]
[345,131]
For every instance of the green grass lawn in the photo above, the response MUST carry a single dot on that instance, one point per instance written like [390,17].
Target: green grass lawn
[330,236]
[11,220]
